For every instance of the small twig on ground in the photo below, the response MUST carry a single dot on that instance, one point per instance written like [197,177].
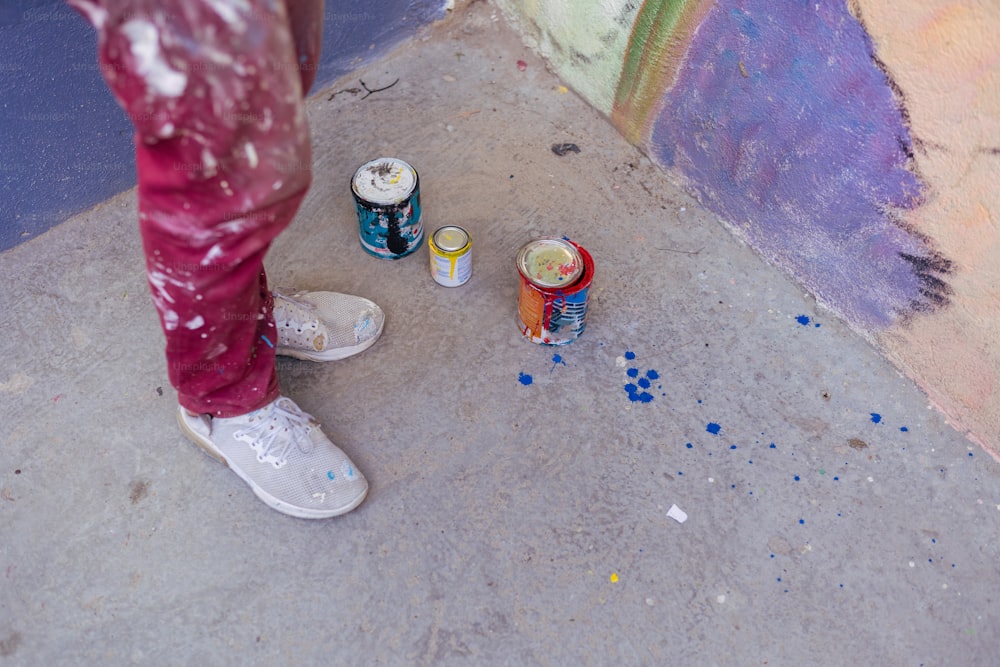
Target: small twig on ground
[682,252]
[376,90]
[352,91]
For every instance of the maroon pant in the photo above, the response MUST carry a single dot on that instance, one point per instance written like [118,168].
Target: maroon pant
[215,91]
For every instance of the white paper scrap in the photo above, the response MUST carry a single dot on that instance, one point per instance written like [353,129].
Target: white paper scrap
[677,514]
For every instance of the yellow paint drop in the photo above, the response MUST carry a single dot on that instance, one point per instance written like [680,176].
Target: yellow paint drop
[614,577]
[563,90]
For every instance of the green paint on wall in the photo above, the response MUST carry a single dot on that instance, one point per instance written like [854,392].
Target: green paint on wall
[585,40]
[659,41]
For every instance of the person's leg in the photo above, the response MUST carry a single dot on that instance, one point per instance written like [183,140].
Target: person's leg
[306,19]
[223,156]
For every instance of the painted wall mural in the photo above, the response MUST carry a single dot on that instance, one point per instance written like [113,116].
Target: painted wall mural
[786,126]
[828,135]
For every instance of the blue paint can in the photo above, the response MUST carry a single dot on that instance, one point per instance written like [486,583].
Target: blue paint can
[387,198]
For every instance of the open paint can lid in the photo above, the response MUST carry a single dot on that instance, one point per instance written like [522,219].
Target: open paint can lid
[550,263]
[384,181]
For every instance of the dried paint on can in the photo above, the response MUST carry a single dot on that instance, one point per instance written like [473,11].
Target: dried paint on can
[387,197]
[555,279]
[451,255]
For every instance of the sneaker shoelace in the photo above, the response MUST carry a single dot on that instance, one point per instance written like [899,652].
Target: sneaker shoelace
[274,434]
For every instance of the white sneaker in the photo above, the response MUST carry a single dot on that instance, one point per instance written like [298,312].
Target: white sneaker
[283,455]
[325,326]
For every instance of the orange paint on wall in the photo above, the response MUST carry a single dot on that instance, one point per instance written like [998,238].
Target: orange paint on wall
[945,57]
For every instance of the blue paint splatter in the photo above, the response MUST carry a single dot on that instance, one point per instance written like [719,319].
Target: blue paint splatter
[636,390]
[556,360]
[876,418]
[267,341]
[689,445]
[903,429]
[713,428]
[803,320]
[330,475]
[525,379]
[635,395]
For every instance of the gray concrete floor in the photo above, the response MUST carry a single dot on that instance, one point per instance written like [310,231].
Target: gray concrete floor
[507,523]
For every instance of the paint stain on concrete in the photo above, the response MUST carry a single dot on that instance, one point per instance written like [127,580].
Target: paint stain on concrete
[138,490]
[802,514]
[10,644]
[525,379]
[17,384]
[640,385]
[557,359]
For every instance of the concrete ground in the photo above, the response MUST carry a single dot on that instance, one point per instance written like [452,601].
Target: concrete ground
[833,517]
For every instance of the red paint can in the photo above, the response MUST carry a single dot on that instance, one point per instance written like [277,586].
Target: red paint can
[555,281]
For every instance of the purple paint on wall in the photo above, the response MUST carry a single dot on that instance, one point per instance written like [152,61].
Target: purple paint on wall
[786,124]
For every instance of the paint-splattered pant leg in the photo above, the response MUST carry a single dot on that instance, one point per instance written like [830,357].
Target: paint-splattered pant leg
[215,91]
